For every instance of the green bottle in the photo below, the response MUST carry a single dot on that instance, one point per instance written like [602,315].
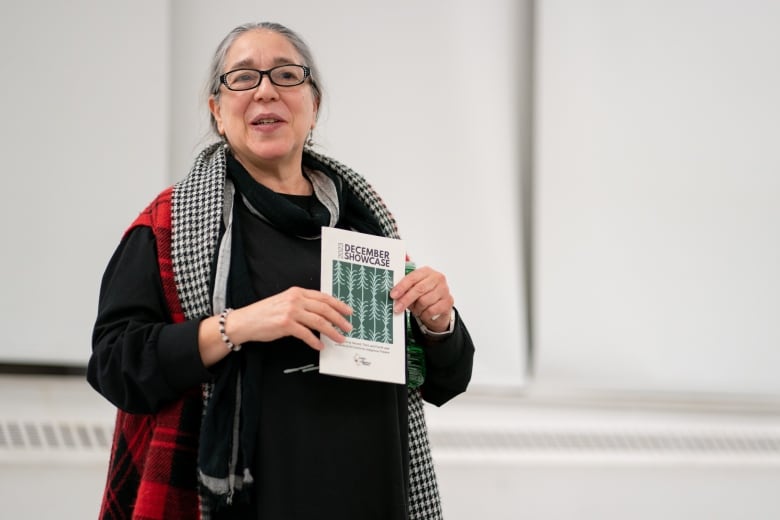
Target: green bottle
[415,357]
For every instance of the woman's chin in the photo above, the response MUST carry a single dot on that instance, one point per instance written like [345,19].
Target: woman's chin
[276,149]
[271,152]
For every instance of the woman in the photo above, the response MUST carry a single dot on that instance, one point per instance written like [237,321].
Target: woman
[215,287]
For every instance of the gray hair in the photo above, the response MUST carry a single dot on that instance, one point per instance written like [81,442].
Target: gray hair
[218,61]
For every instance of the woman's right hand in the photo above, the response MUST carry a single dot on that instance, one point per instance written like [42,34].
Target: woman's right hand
[295,312]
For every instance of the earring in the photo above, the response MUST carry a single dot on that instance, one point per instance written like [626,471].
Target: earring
[310,140]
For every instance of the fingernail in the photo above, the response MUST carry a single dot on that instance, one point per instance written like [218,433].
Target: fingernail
[397,307]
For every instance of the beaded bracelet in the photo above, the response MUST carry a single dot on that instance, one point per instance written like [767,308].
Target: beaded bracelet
[230,345]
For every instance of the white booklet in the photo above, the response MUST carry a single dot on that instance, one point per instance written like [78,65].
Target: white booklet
[360,269]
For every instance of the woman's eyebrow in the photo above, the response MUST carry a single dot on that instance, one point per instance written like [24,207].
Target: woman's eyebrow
[249,62]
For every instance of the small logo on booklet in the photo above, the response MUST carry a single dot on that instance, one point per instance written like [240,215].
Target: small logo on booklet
[361,361]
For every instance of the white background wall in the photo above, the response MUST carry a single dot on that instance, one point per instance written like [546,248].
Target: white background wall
[654,168]
[657,189]
[84,141]
[654,243]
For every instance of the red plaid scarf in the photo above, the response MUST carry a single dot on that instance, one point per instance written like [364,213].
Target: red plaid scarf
[152,473]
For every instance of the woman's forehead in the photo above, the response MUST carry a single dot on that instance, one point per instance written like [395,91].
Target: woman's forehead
[254,47]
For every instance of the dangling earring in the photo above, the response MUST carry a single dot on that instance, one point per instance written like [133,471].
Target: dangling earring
[310,140]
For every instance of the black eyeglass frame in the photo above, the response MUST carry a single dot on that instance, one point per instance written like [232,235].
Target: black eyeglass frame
[267,72]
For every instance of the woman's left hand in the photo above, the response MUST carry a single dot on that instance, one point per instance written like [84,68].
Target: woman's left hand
[426,294]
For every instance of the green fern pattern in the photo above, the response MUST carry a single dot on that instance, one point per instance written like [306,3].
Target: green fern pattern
[367,290]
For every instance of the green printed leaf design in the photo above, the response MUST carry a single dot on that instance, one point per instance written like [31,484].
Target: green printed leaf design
[367,290]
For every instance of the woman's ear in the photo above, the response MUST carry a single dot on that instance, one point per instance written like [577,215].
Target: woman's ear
[215,113]
[316,103]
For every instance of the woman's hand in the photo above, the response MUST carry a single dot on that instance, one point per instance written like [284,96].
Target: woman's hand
[295,312]
[426,294]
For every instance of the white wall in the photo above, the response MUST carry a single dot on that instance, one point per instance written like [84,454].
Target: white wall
[654,247]
[654,183]
[657,185]
[84,145]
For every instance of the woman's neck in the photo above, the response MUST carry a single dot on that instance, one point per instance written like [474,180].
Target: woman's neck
[284,178]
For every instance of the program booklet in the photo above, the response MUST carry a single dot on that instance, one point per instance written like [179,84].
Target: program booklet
[360,270]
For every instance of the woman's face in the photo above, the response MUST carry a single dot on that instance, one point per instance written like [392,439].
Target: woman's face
[267,126]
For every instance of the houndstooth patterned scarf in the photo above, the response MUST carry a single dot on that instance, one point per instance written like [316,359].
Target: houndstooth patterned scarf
[196,212]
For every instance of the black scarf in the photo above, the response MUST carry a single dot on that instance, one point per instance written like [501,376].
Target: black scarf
[229,429]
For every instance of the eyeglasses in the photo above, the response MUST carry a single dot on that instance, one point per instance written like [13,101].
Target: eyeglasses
[281,76]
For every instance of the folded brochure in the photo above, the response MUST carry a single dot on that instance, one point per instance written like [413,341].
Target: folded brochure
[360,270]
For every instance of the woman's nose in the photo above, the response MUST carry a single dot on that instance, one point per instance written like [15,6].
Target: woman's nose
[266,90]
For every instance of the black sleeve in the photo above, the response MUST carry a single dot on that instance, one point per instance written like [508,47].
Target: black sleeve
[140,360]
[448,363]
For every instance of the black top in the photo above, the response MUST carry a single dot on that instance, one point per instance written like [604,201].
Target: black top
[328,447]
